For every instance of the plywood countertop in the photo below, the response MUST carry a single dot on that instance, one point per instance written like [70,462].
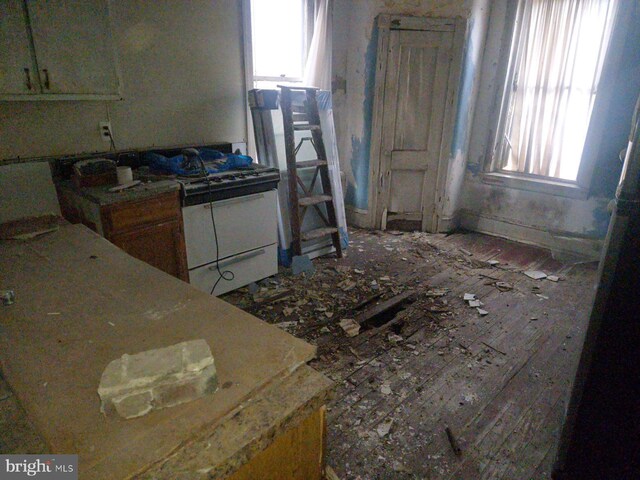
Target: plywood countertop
[80,303]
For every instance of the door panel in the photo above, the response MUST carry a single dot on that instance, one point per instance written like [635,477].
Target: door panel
[407,160]
[415,95]
[17,71]
[406,192]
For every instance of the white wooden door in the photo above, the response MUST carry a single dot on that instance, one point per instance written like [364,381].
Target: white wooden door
[415,101]
[18,75]
[73,46]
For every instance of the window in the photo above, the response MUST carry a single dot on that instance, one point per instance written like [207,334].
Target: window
[279,41]
[556,59]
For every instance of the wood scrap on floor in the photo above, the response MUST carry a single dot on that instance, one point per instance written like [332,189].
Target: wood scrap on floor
[535,274]
[369,315]
[350,326]
[453,442]
[330,473]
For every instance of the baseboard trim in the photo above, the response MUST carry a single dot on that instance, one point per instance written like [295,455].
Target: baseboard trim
[587,249]
[357,217]
[448,224]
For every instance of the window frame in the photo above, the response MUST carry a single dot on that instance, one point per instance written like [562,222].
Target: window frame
[308,12]
[492,173]
[249,80]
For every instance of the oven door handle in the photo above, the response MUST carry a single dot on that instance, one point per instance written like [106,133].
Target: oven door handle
[237,258]
[231,201]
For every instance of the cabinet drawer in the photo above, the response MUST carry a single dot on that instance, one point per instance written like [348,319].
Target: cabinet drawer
[242,223]
[246,268]
[128,216]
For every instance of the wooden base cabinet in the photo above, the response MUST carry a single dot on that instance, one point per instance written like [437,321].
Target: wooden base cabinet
[149,229]
[297,454]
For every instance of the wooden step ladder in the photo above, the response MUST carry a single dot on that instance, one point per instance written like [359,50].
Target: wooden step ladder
[307,118]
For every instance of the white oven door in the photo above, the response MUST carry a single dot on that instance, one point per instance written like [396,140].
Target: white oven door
[246,267]
[242,223]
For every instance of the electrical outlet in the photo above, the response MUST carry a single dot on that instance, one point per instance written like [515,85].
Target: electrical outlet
[105,131]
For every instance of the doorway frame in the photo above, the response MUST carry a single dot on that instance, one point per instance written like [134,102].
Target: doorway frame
[379,165]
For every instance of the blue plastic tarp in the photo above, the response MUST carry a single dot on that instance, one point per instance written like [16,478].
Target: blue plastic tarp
[214,161]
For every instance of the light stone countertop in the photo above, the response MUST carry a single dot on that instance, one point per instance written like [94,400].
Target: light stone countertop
[102,196]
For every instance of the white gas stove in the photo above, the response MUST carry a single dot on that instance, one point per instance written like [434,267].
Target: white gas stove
[243,204]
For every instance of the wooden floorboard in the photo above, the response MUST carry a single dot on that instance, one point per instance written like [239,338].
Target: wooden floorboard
[500,382]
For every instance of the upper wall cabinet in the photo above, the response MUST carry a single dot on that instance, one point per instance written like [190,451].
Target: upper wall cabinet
[56,50]
[17,68]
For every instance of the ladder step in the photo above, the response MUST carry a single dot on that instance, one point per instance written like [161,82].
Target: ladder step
[310,163]
[313,200]
[306,127]
[318,232]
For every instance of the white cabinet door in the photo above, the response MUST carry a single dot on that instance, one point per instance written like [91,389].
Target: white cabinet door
[18,75]
[73,46]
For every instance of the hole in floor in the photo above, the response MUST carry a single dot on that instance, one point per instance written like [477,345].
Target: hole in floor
[387,316]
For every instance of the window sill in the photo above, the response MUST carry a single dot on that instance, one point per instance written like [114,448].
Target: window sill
[549,186]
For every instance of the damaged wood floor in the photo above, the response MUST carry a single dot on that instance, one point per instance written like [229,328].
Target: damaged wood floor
[498,382]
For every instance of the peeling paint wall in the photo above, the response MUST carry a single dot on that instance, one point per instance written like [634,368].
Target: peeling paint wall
[468,90]
[354,62]
[564,225]
[560,223]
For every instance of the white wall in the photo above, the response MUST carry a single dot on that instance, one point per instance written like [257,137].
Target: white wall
[182,74]
[26,190]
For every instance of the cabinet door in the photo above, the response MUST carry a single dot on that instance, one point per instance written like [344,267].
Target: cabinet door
[73,46]
[17,71]
[161,246]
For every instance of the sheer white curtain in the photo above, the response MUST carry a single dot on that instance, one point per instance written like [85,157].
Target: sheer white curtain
[560,49]
[317,71]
